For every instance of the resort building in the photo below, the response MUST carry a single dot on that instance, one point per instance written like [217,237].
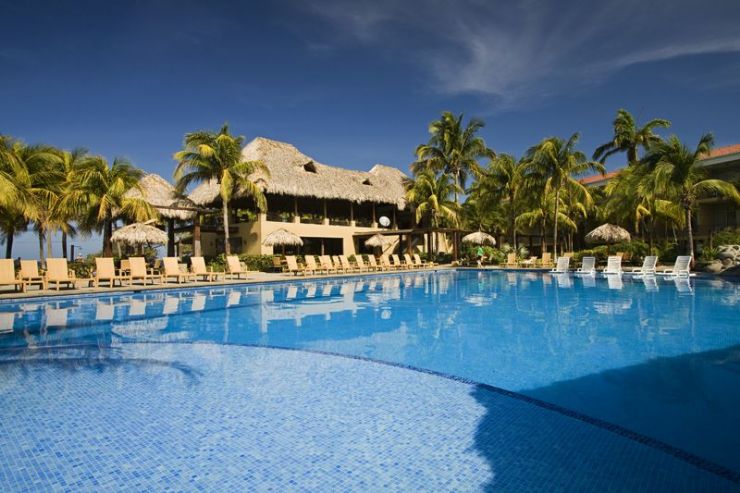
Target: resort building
[334,210]
[714,214]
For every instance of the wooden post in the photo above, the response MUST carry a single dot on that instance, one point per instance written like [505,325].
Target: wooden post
[408,243]
[395,226]
[197,252]
[295,208]
[351,212]
[374,213]
[170,237]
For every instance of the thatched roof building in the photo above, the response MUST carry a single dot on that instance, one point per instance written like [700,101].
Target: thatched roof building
[292,173]
[160,193]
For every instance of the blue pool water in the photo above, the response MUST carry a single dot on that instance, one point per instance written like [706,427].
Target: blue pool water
[624,362]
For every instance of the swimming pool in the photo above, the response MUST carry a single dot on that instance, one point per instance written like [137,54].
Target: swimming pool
[592,375]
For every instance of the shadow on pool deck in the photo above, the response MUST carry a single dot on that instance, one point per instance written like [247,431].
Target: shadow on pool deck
[683,391]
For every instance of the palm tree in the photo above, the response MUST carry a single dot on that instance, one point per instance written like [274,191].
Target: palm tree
[218,156]
[39,182]
[628,137]
[633,199]
[430,194]
[453,149]
[503,183]
[680,176]
[12,222]
[70,162]
[543,210]
[97,195]
[556,161]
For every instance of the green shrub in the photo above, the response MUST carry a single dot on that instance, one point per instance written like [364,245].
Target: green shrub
[636,250]
[82,268]
[667,251]
[728,236]
[262,263]
[708,254]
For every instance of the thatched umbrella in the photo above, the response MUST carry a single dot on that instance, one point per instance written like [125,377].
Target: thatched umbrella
[479,238]
[140,234]
[378,241]
[282,237]
[607,234]
[160,194]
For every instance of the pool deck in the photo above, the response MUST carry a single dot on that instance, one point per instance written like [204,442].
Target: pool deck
[253,277]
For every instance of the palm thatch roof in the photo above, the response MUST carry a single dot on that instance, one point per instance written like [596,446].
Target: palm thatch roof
[479,238]
[282,237]
[294,174]
[139,234]
[608,233]
[161,195]
[378,240]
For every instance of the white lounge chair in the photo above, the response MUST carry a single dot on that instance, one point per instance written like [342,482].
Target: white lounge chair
[588,266]
[562,265]
[613,265]
[648,267]
[682,267]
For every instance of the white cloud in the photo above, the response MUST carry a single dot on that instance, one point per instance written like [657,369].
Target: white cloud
[521,50]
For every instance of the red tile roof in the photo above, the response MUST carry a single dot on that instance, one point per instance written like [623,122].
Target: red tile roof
[597,178]
[724,151]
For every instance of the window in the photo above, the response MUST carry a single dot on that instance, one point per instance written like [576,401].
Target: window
[367,182]
[310,167]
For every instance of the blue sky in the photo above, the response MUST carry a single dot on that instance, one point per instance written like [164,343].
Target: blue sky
[356,83]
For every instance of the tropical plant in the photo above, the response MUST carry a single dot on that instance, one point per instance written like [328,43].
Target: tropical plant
[39,182]
[502,185]
[63,213]
[430,194]
[556,162]
[681,178]
[12,222]
[542,211]
[453,149]
[218,156]
[628,137]
[96,194]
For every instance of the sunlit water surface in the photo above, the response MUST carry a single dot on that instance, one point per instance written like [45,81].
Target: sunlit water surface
[660,357]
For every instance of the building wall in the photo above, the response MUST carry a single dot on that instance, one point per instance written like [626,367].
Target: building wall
[253,233]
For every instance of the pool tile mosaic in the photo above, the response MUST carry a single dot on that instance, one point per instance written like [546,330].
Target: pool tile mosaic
[207,417]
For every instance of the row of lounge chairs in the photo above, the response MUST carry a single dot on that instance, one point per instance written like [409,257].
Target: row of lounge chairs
[326,264]
[682,266]
[133,269]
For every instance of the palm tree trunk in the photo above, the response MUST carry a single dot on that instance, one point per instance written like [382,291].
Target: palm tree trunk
[543,241]
[170,237]
[9,244]
[632,155]
[64,244]
[41,245]
[107,233]
[555,227]
[512,221]
[690,232]
[48,244]
[196,235]
[227,245]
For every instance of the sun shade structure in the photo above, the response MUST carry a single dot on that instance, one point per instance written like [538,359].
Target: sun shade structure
[282,237]
[378,241]
[292,173]
[160,194]
[140,234]
[607,233]
[479,238]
